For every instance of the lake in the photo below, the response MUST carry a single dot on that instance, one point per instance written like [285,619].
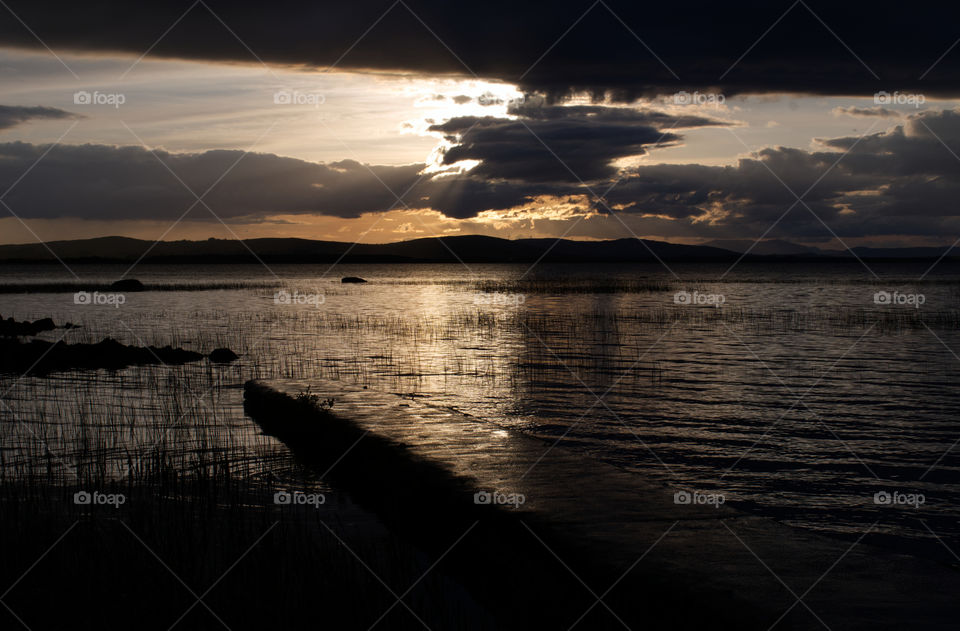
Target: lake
[823,395]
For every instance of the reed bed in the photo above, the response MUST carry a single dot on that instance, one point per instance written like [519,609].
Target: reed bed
[200,478]
[198,481]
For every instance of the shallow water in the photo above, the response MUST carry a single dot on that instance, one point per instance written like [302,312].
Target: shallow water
[799,396]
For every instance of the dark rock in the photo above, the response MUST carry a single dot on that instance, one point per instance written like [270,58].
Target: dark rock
[12,328]
[223,356]
[41,357]
[352,279]
[127,284]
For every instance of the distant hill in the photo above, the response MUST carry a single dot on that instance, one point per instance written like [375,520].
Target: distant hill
[780,248]
[906,253]
[469,249]
[771,247]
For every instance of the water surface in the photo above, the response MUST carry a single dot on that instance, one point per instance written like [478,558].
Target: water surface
[786,387]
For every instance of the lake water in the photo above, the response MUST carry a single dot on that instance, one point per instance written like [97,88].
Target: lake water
[798,391]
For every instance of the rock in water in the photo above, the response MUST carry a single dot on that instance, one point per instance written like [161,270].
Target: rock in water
[12,328]
[127,284]
[352,279]
[40,357]
[223,356]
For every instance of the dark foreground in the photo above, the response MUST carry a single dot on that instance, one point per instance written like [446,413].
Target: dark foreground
[590,544]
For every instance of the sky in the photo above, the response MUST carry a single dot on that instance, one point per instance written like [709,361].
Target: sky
[379,121]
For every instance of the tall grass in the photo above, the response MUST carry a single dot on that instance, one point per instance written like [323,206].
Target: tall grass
[199,479]
[200,476]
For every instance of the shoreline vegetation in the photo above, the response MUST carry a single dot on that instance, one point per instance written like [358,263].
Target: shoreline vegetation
[199,499]
[145,502]
[187,524]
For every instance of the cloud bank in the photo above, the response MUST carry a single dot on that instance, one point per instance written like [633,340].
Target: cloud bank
[620,48]
[897,182]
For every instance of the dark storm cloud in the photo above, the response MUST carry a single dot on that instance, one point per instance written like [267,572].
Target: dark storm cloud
[924,145]
[13,115]
[545,151]
[106,182]
[549,143]
[539,109]
[621,47]
[867,112]
[465,196]
[902,181]
[117,183]
[749,196]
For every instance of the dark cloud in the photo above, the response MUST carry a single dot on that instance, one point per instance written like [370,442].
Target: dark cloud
[548,143]
[107,182]
[131,183]
[927,144]
[742,200]
[13,115]
[620,47]
[545,151]
[898,182]
[879,112]
[902,181]
[540,109]
[465,196]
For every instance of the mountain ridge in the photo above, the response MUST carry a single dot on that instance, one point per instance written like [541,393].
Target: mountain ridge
[451,249]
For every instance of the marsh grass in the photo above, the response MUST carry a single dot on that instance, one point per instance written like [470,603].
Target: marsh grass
[200,477]
[198,480]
